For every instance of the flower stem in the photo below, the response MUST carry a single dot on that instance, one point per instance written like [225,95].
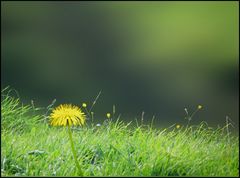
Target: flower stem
[74,152]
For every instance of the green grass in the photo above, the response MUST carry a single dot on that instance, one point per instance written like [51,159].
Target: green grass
[30,147]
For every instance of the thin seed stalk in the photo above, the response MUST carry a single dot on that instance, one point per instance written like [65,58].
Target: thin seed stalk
[80,172]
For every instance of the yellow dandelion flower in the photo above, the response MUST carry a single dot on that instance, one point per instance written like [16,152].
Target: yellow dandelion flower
[84,105]
[67,114]
[178,126]
[108,115]
[199,106]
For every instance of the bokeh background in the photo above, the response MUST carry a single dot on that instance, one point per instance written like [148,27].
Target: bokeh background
[156,57]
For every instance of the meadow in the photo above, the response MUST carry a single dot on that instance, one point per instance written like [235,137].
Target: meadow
[30,146]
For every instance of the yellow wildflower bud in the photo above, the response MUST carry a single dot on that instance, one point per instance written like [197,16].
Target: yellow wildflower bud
[108,115]
[84,105]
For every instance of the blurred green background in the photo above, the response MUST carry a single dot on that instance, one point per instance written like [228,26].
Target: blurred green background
[156,57]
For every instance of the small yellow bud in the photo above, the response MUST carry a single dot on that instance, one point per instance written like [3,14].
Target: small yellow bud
[178,126]
[84,105]
[199,106]
[108,115]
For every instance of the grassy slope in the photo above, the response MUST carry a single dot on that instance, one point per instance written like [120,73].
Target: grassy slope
[112,149]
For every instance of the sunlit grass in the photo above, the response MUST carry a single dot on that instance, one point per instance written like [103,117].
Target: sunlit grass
[14,115]
[113,149]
